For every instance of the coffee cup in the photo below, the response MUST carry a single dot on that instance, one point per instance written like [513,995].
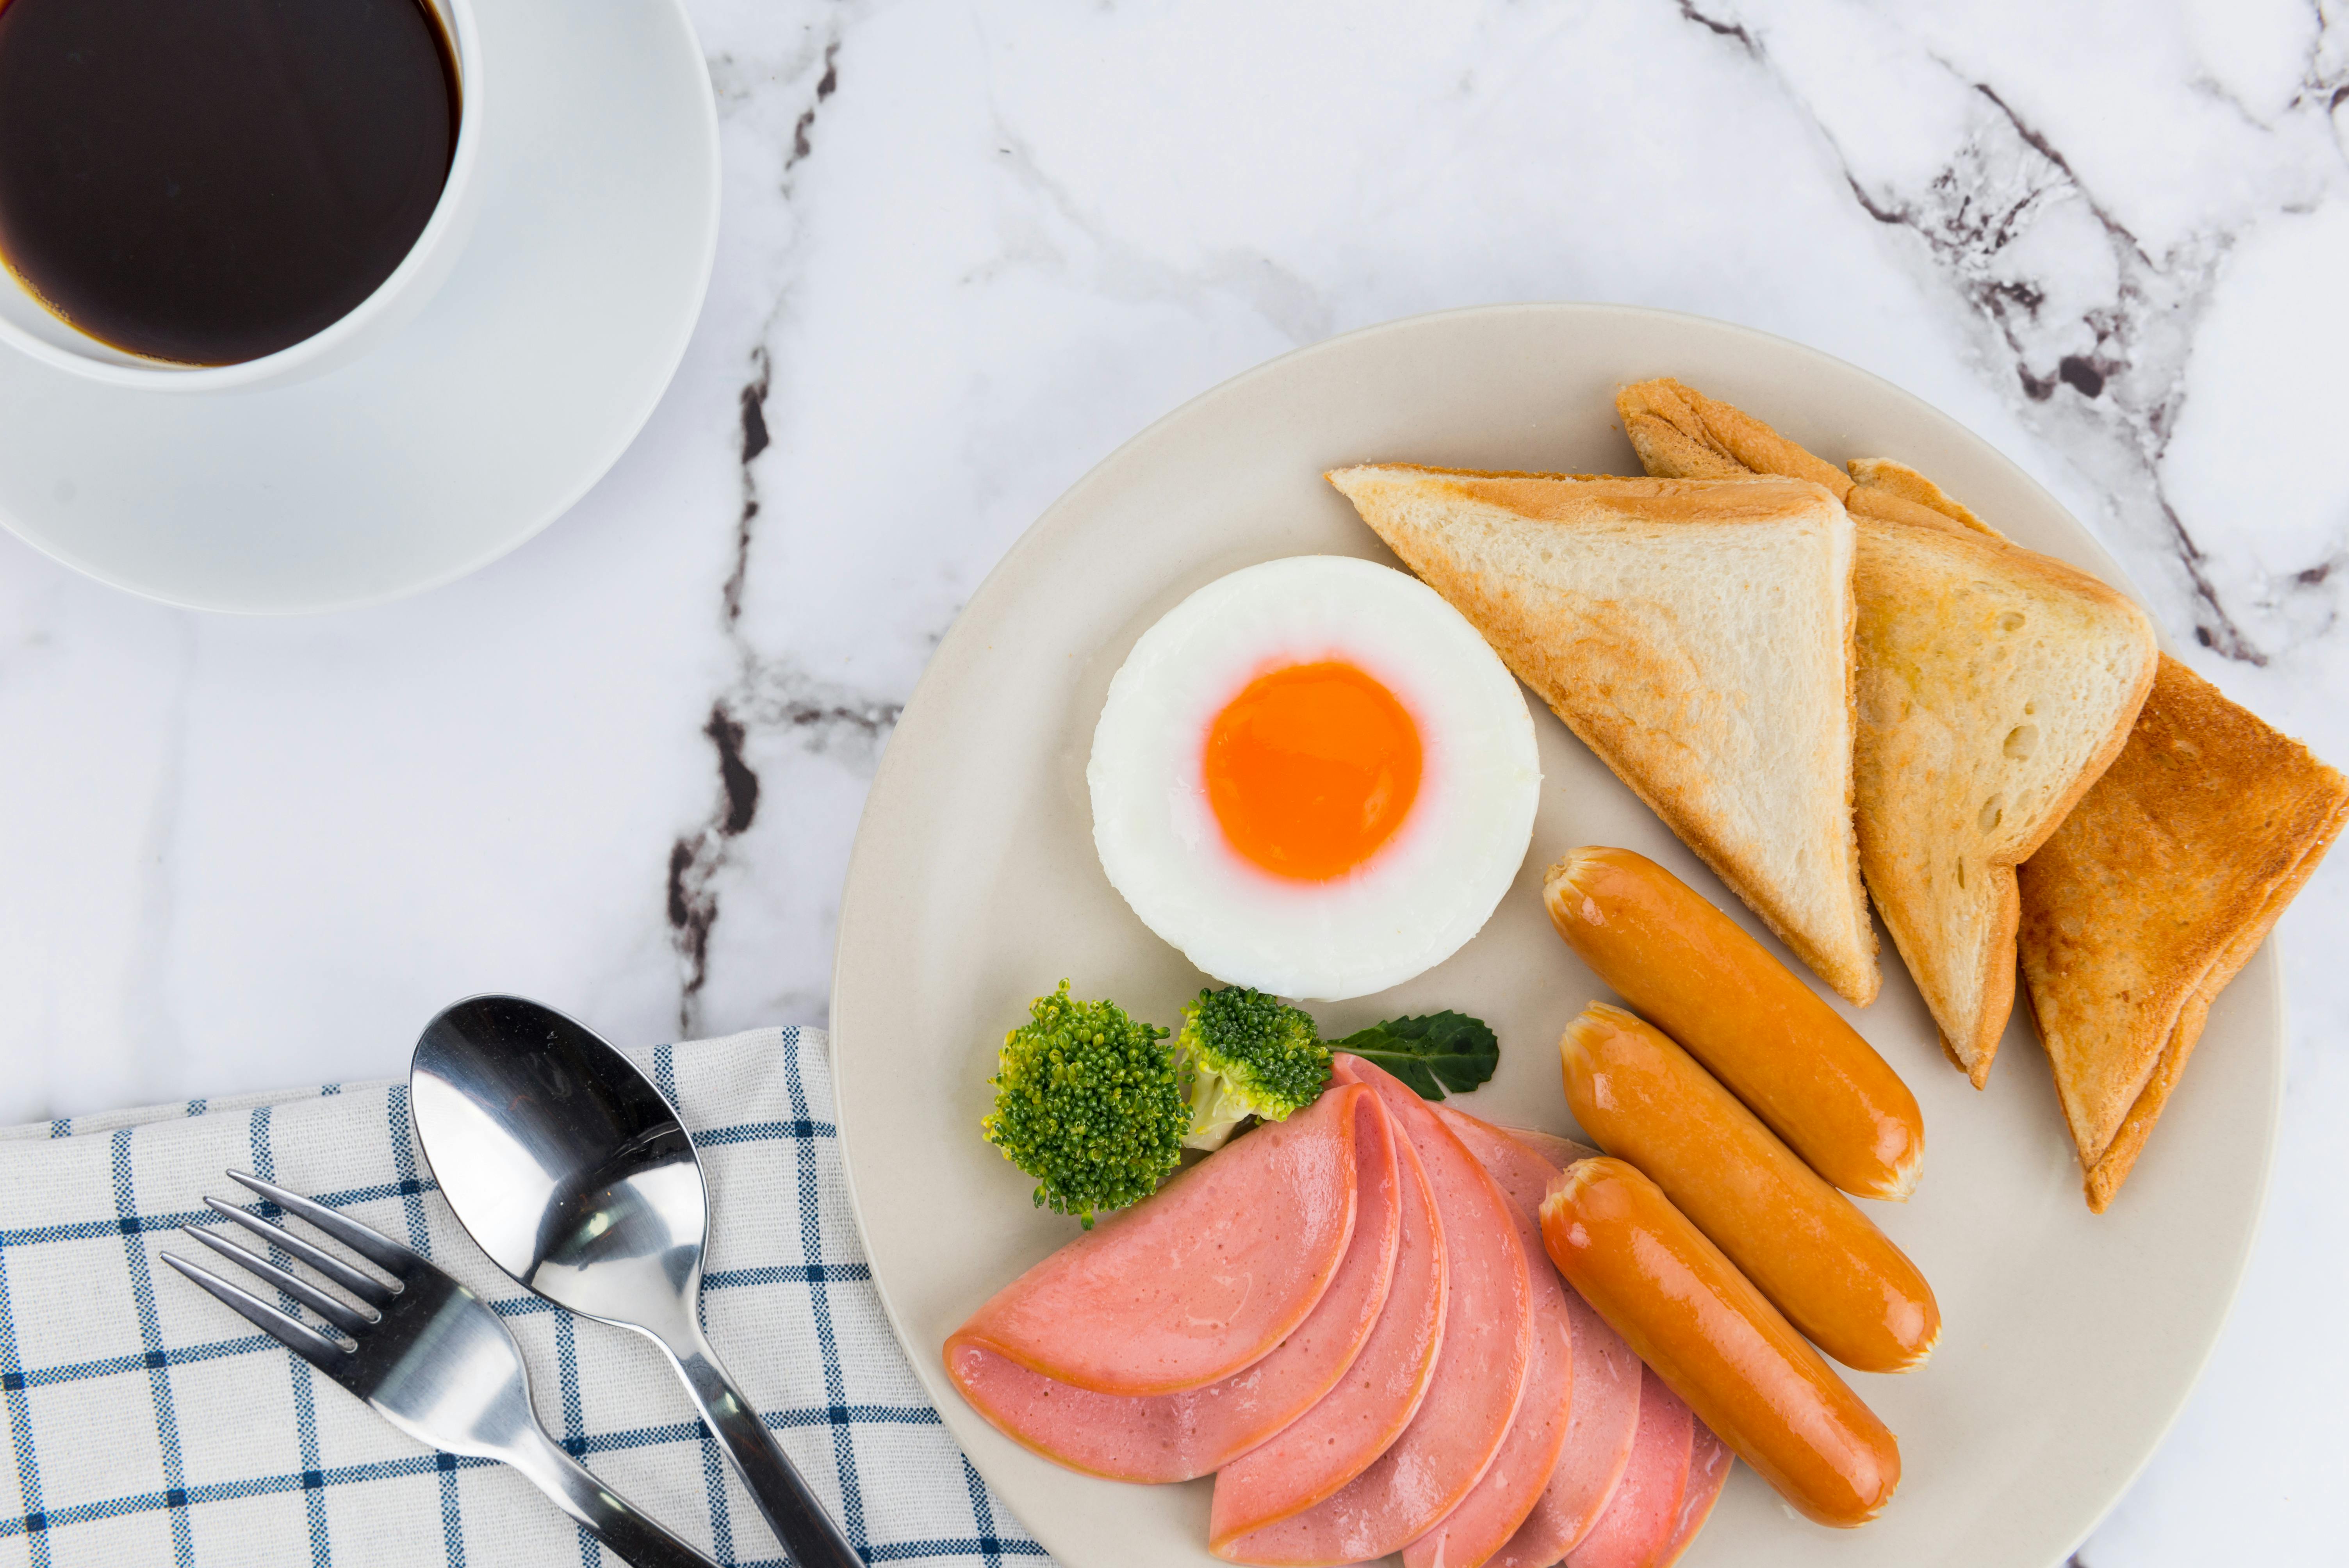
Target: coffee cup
[30,327]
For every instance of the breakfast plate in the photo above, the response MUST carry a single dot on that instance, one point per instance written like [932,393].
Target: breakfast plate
[482,421]
[2070,1339]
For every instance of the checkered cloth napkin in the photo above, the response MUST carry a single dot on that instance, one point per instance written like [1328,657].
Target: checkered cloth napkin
[151,1426]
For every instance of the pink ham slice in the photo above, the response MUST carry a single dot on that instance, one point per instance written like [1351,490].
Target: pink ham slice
[1709,1462]
[1491,1515]
[1606,1373]
[1645,1509]
[1598,1446]
[1177,1437]
[1197,1282]
[1480,1369]
[1337,1440]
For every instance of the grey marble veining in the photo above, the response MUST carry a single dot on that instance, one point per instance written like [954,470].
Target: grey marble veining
[969,248]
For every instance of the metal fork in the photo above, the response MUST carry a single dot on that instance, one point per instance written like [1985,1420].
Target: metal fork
[426,1352]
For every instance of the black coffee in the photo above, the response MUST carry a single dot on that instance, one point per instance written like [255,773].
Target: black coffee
[211,181]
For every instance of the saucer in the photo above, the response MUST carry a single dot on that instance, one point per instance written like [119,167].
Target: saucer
[482,421]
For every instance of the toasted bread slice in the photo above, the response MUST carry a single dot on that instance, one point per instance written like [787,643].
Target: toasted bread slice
[1680,433]
[1697,636]
[2156,890]
[1994,685]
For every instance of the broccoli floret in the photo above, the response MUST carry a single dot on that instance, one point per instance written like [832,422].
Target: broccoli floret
[1243,1054]
[1087,1101]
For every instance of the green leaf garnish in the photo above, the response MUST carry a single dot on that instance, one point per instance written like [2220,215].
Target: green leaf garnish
[1434,1053]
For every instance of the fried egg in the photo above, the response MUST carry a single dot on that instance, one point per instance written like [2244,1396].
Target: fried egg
[1313,777]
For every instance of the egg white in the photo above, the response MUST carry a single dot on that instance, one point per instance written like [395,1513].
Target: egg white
[1425,892]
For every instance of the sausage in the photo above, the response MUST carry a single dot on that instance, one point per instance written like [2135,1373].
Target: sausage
[1776,1044]
[1803,1245]
[1712,1337]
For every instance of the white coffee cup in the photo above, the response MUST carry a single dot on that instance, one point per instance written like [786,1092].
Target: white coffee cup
[32,328]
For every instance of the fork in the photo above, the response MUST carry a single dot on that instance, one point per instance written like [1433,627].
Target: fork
[427,1352]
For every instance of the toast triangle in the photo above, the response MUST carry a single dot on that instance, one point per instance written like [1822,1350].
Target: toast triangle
[2157,889]
[1995,684]
[1697,636]
[1963,636]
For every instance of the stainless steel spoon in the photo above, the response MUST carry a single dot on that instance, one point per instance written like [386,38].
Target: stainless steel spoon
[573,1173]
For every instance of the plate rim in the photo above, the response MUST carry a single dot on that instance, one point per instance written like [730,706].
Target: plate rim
[710,175]
[1056,518]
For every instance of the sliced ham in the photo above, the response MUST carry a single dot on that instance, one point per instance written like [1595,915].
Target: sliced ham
[1197,1282]
[1645,1509]
[1480,1368]
[1598,1446]
[1596,1452]
[1177,1437]
[1709,1462]
[1606,1412]
[1490,1516]
[1337,1440]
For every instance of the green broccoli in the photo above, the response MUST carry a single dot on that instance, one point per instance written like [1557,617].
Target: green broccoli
[1241,1054]
[1087,1101]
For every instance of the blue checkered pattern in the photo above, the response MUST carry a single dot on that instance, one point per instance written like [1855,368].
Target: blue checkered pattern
[149,1428]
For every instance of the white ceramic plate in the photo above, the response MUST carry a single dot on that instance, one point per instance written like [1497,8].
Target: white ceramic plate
[2070,1340]
[482,421]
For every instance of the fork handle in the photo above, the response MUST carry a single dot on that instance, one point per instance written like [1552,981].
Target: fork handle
[797,1520]
[607,1515]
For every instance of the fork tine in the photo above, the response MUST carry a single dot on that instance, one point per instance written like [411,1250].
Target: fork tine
[372,1245]
[308,1343]
[340,1313]
[372,1291]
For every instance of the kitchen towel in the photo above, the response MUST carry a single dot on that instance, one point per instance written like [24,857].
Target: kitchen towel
[151,1426]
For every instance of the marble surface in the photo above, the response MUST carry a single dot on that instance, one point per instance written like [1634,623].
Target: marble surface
[967,250]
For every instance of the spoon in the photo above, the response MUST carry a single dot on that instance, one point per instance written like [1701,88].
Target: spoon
[572,1172]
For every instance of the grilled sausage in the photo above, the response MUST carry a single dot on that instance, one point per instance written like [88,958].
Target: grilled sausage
[1803,1245]
[1695,972]
[1710,1334]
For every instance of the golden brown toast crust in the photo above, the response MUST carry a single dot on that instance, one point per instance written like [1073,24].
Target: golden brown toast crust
[1745,498]
[2153,894]
[1899,493]
[1682,433]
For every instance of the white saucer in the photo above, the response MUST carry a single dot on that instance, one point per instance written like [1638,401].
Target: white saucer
[478,424]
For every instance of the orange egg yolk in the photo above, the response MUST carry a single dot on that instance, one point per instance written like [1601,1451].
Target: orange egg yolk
[1311,768]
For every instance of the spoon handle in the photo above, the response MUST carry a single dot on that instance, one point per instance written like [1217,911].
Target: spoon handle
[800,1522]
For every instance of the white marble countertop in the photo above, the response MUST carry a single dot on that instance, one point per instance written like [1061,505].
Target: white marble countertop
[967,250]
